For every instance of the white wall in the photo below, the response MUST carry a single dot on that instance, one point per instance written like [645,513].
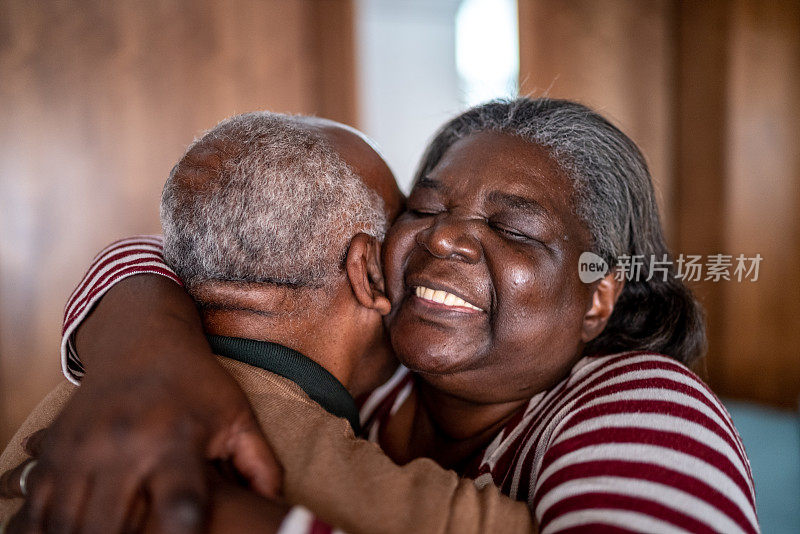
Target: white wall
[408,84]
[410,78]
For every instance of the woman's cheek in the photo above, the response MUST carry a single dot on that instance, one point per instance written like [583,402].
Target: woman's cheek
[399,243]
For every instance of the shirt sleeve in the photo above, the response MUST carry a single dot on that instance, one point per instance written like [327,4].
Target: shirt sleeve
[121,259]
[300,520]
[648,449]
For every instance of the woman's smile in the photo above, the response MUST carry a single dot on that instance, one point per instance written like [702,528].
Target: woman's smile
[440,299]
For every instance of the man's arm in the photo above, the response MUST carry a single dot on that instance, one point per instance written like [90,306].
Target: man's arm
[345,481]
[351,483]
[422,493]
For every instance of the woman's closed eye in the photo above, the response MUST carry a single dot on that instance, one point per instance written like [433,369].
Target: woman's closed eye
[510,232]
[424,211]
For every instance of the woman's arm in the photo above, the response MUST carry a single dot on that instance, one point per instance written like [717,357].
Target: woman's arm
[153,402]
[120,260]
[232,509]
[346,481]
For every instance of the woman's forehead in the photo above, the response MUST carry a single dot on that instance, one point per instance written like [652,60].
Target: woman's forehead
[496,164]
[497,170]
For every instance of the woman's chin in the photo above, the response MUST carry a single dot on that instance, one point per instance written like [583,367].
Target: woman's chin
[423,354]
[431,364]
[435,343]
[427,350]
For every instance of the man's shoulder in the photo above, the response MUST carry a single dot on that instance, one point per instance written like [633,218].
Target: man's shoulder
[41,417]
[259,383]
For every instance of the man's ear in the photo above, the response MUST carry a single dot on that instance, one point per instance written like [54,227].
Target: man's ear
[363,266]
[604,299]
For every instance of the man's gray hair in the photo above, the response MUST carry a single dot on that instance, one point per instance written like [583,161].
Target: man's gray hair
[614,198]
[281,207]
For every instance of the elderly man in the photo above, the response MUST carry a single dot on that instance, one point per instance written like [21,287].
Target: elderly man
[274,223]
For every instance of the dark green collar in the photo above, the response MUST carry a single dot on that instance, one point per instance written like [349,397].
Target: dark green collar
[312,378]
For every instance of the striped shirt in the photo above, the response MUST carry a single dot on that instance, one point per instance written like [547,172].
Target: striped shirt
[628,442]
[121,259]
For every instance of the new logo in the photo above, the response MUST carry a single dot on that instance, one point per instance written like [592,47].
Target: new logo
[591,267]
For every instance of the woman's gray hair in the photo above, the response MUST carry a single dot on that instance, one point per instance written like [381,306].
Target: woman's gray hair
[281,207]
[614,198]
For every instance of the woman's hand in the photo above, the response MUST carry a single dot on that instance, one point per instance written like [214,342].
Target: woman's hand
[232,507]
[153,406]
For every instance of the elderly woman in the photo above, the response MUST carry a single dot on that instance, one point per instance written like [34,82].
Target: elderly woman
[573,397]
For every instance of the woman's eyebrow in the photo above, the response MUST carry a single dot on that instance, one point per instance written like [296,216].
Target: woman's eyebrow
[428,183]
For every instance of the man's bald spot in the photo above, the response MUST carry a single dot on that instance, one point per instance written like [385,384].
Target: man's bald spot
[361,154]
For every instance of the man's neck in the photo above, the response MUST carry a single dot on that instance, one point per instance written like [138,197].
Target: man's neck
[319,384]
[326,326]
[320,343]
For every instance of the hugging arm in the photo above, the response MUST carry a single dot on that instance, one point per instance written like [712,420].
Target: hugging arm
[152,405]
[152,384]
[346,481]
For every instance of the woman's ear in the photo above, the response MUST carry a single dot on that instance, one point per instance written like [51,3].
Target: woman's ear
[363,266]
[604,298]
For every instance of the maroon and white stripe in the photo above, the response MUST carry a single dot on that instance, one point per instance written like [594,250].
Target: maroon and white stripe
[300,520]
[630,442]
[121,259]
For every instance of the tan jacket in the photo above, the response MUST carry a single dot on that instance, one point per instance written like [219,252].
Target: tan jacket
[345,481]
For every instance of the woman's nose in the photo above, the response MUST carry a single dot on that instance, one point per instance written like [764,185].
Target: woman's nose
[451,237]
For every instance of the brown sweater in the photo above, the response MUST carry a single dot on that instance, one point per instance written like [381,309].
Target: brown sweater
[345,481]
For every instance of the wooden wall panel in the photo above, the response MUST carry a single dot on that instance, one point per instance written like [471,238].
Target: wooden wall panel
[760,351]
[737,184]
[612,55]
[333,40]
[698,189]
[97,101]
[711,92]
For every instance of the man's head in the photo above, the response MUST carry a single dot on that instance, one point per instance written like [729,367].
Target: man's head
[275,222]
[266,198]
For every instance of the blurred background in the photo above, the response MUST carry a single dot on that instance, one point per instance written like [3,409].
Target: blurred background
[99,99]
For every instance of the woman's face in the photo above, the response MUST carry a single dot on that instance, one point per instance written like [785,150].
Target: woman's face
[482,272]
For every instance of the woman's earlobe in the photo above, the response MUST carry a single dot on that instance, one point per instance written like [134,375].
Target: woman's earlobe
[604,298]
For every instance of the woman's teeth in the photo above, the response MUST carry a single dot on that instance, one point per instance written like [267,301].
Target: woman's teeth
[443,297]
